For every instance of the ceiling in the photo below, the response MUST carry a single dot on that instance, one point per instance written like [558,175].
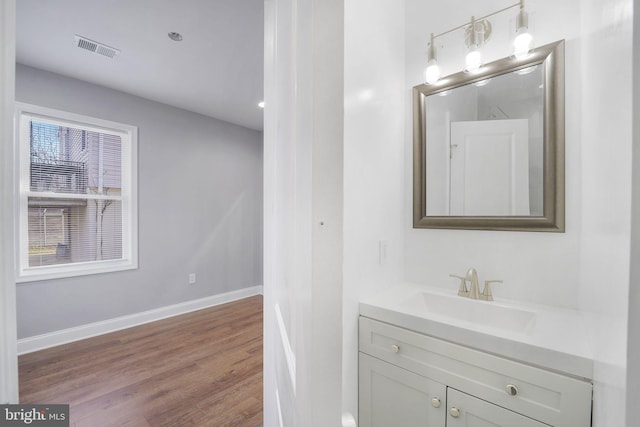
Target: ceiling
[216,70]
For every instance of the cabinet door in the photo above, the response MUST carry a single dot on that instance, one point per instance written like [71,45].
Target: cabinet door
[391,397]
[464,410]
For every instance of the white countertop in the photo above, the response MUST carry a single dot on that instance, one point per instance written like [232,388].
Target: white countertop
[557,339]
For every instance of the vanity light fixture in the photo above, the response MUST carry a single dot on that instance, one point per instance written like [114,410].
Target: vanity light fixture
[477,32]
[261,104]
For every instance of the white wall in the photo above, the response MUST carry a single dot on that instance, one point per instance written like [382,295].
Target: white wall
[605,178]
[200,208]
[373,163]
[538,267]
[633,348]
[587,267]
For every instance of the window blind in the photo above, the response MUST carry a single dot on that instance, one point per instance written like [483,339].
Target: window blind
[75,206]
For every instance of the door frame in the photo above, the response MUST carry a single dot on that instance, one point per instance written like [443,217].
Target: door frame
[8,345]
[303,183]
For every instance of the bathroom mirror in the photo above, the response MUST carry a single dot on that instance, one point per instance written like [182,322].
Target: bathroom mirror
[489,147]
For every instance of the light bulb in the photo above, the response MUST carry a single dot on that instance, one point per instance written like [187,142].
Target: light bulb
[522,44]
[473,61]
[432,74]
[523,40]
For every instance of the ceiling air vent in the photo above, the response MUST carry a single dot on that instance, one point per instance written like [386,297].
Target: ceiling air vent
[95,47]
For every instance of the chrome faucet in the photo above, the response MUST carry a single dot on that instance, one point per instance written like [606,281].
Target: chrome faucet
[472,277]
[474,291]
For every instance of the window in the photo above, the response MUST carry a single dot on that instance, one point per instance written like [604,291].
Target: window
[77,195]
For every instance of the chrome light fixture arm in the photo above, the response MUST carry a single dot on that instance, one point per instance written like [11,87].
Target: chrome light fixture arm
[477,32]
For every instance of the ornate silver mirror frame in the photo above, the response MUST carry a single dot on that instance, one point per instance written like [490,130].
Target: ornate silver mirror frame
[551,58]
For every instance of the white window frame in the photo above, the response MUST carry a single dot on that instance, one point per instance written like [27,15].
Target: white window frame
[24,113]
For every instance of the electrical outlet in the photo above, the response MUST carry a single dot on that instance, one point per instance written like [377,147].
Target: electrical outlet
[192,278]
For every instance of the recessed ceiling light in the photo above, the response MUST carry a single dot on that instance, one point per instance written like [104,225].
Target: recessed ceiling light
[261,104]
[176,37]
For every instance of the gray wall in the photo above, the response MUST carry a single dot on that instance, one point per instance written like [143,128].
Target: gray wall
[200,209]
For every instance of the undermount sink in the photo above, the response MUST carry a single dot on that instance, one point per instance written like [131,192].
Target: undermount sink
[475,312]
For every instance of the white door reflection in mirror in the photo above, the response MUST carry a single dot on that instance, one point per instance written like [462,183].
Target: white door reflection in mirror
[489,168]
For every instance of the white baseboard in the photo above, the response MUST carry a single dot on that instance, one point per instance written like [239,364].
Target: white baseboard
[64,336]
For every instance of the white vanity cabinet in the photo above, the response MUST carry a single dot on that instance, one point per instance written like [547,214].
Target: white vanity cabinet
[412,379]
[392,396]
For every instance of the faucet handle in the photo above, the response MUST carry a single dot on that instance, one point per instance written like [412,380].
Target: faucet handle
[462,291]
[486,292]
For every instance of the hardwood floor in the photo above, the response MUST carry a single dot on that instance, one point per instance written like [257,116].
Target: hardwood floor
[198,369]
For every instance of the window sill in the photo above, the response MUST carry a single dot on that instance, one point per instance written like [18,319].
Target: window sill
[74,270]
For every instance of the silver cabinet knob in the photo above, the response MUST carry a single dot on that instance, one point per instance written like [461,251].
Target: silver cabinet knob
[512,390]
[435,402]
[395,348]
[454,412]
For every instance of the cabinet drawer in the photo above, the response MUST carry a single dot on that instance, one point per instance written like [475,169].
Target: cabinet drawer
[475,412]
[552,398]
